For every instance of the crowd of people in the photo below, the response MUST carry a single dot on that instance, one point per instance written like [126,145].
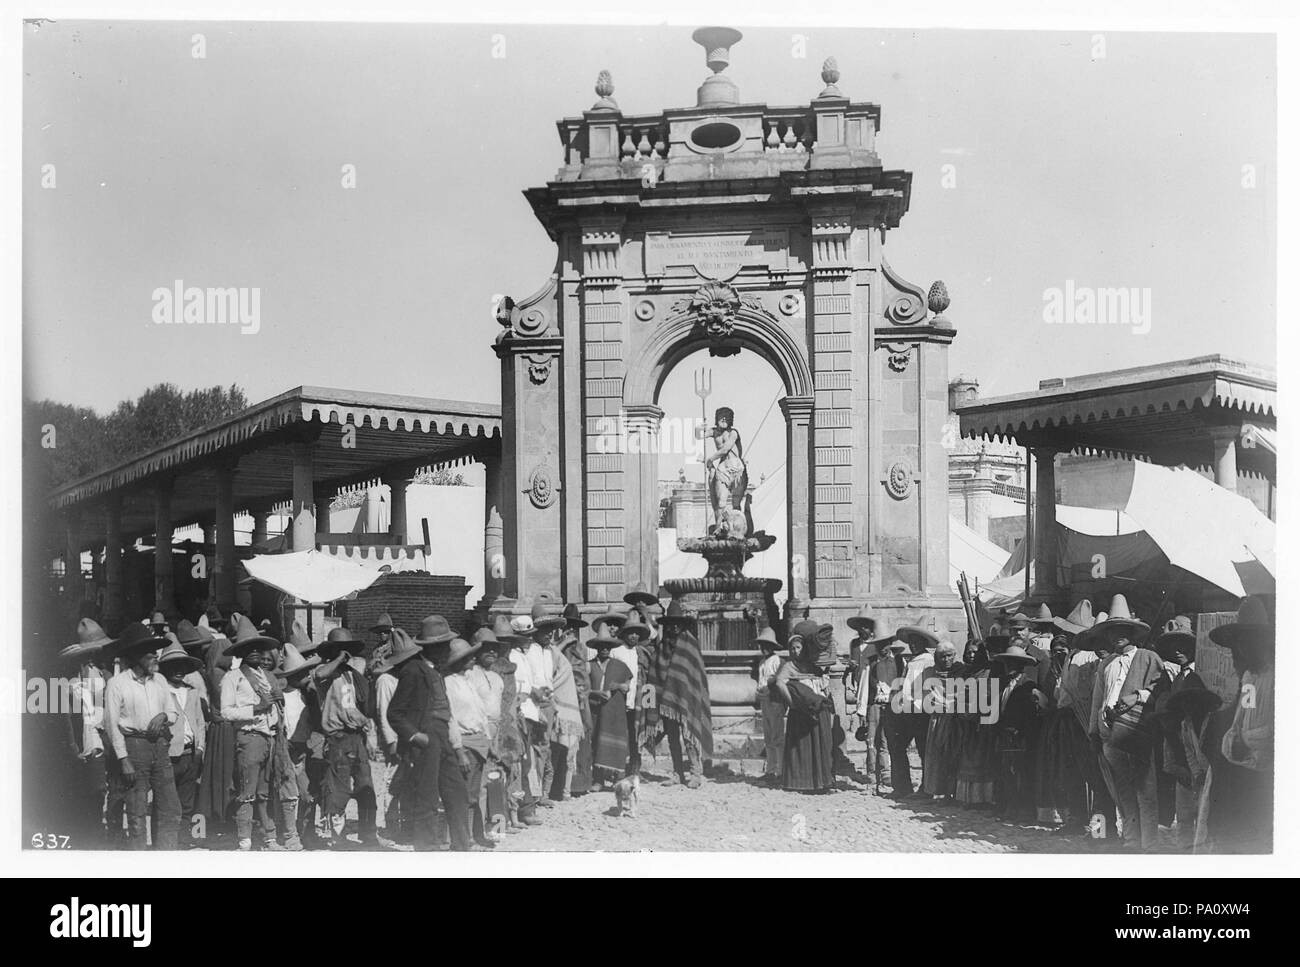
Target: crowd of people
[1095,725]
[216,733]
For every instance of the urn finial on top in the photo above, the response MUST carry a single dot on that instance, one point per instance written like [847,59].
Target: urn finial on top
[605,90]
[717,43]
[830,77]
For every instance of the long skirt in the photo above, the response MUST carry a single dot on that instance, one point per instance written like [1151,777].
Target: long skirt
[217,787]
[1015,792]
[609,739]
[977,766]
[582,773]
[807,765]
[942,756]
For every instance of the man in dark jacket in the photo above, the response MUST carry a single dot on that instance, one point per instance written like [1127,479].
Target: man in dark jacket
[420,715]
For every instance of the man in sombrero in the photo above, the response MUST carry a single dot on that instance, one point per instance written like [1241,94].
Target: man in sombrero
[252,701]
[1238,799]
[189,732]
[137,721]
[1120,724]
[910,723]
[85,716]
[420,714]
[345,720]
[534,675]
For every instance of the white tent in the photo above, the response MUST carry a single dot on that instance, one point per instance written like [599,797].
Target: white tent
[1200,526]
[311,576]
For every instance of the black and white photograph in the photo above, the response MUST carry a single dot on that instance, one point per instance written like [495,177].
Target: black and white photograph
[634,433]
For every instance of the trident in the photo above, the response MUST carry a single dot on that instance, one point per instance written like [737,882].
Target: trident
[703,387]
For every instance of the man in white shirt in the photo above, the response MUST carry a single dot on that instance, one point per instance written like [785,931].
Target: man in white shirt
[248,701]
[635,635]
[137,721]
[469,717]
[534,672]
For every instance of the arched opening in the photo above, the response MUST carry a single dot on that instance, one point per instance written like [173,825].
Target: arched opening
[692,388]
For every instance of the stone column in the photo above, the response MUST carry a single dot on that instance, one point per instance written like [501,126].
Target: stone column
[533,475]
[642,536]
[1045,518]
[224,562]
[1225,456]
[798,411]
[261,516]
[303,509]
[398,528]
[114,603]
[494,566]
[831,315]
[164,592]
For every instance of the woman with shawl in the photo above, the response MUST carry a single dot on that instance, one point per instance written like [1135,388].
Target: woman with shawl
[804,686]
[942,746]
[217,786]
[1019,724]
[977,765]
[609,680]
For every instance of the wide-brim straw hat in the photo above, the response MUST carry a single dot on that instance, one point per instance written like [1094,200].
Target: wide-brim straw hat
[1089,638]
[175,654]
[458,649]
[766,637]
[634,626]
[91,639]
[640,595]
[505,632]
[543,620]
[1121,617]
[434,630]
[247,638]
[863,622]
[1252,625]
[1079,620]
[193,636]
[914,636]
[295,663]
[597,642]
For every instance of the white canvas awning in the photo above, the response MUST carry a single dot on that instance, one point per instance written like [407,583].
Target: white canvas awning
[311,576]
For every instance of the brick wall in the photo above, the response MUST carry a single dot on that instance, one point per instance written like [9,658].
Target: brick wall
[408,598]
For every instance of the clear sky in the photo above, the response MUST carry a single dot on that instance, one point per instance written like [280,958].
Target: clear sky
[1120,170]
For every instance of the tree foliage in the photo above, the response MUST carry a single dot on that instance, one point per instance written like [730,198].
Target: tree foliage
[83,442]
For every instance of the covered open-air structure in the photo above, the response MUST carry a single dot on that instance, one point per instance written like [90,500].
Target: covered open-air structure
[292,454]
[1210,413]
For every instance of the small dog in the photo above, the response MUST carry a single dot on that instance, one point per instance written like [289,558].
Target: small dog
[625,794]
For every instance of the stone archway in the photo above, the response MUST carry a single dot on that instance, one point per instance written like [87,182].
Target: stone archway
[681,334]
